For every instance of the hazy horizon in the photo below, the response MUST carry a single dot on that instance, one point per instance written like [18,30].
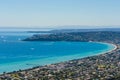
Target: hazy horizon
[60,27]
[57,13]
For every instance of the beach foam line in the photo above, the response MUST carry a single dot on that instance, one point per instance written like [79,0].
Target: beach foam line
[115,47]
[107,51]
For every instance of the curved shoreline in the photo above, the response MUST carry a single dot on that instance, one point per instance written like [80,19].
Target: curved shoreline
[115,47]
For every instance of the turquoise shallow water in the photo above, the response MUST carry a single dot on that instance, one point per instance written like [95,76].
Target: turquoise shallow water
[16,54]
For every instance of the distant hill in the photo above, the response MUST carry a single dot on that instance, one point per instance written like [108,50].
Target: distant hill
[77,30]
[109,36]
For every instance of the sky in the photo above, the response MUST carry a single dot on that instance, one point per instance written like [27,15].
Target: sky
[53,13]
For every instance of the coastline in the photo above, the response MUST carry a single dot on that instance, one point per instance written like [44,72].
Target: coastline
[114,45]
[71,66]
[108,51]
[104,65]
[74,57]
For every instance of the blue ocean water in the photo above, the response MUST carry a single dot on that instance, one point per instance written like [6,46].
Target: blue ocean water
[16,54]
